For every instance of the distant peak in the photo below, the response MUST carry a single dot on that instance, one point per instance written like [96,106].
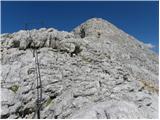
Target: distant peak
[96,20]
[95,27]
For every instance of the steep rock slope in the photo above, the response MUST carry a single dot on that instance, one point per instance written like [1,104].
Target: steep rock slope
[95,71]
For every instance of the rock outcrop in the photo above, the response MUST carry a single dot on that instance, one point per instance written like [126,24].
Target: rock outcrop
[95,71]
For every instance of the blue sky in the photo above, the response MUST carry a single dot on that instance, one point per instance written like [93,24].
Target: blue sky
[139,19]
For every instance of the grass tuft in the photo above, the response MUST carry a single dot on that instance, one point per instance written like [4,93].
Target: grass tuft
[14,88]
[49,100]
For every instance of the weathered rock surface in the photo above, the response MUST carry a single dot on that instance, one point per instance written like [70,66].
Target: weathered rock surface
[95,71]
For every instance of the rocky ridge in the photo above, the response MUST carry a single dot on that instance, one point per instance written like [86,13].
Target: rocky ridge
[94,71]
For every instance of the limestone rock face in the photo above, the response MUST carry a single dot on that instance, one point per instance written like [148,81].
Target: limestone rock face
[95,71]
[96,27]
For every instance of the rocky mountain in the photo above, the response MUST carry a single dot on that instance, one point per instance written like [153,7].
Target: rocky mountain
[95,71]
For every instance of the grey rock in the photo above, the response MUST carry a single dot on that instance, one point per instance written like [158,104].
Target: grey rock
[109,110]
[5,112]
[95,71]
[7,96]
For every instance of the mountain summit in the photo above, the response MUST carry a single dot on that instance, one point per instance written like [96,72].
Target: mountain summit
[95,71]
[96,27]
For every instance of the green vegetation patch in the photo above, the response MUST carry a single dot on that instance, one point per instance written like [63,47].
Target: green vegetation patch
[49,100]
[14,88]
